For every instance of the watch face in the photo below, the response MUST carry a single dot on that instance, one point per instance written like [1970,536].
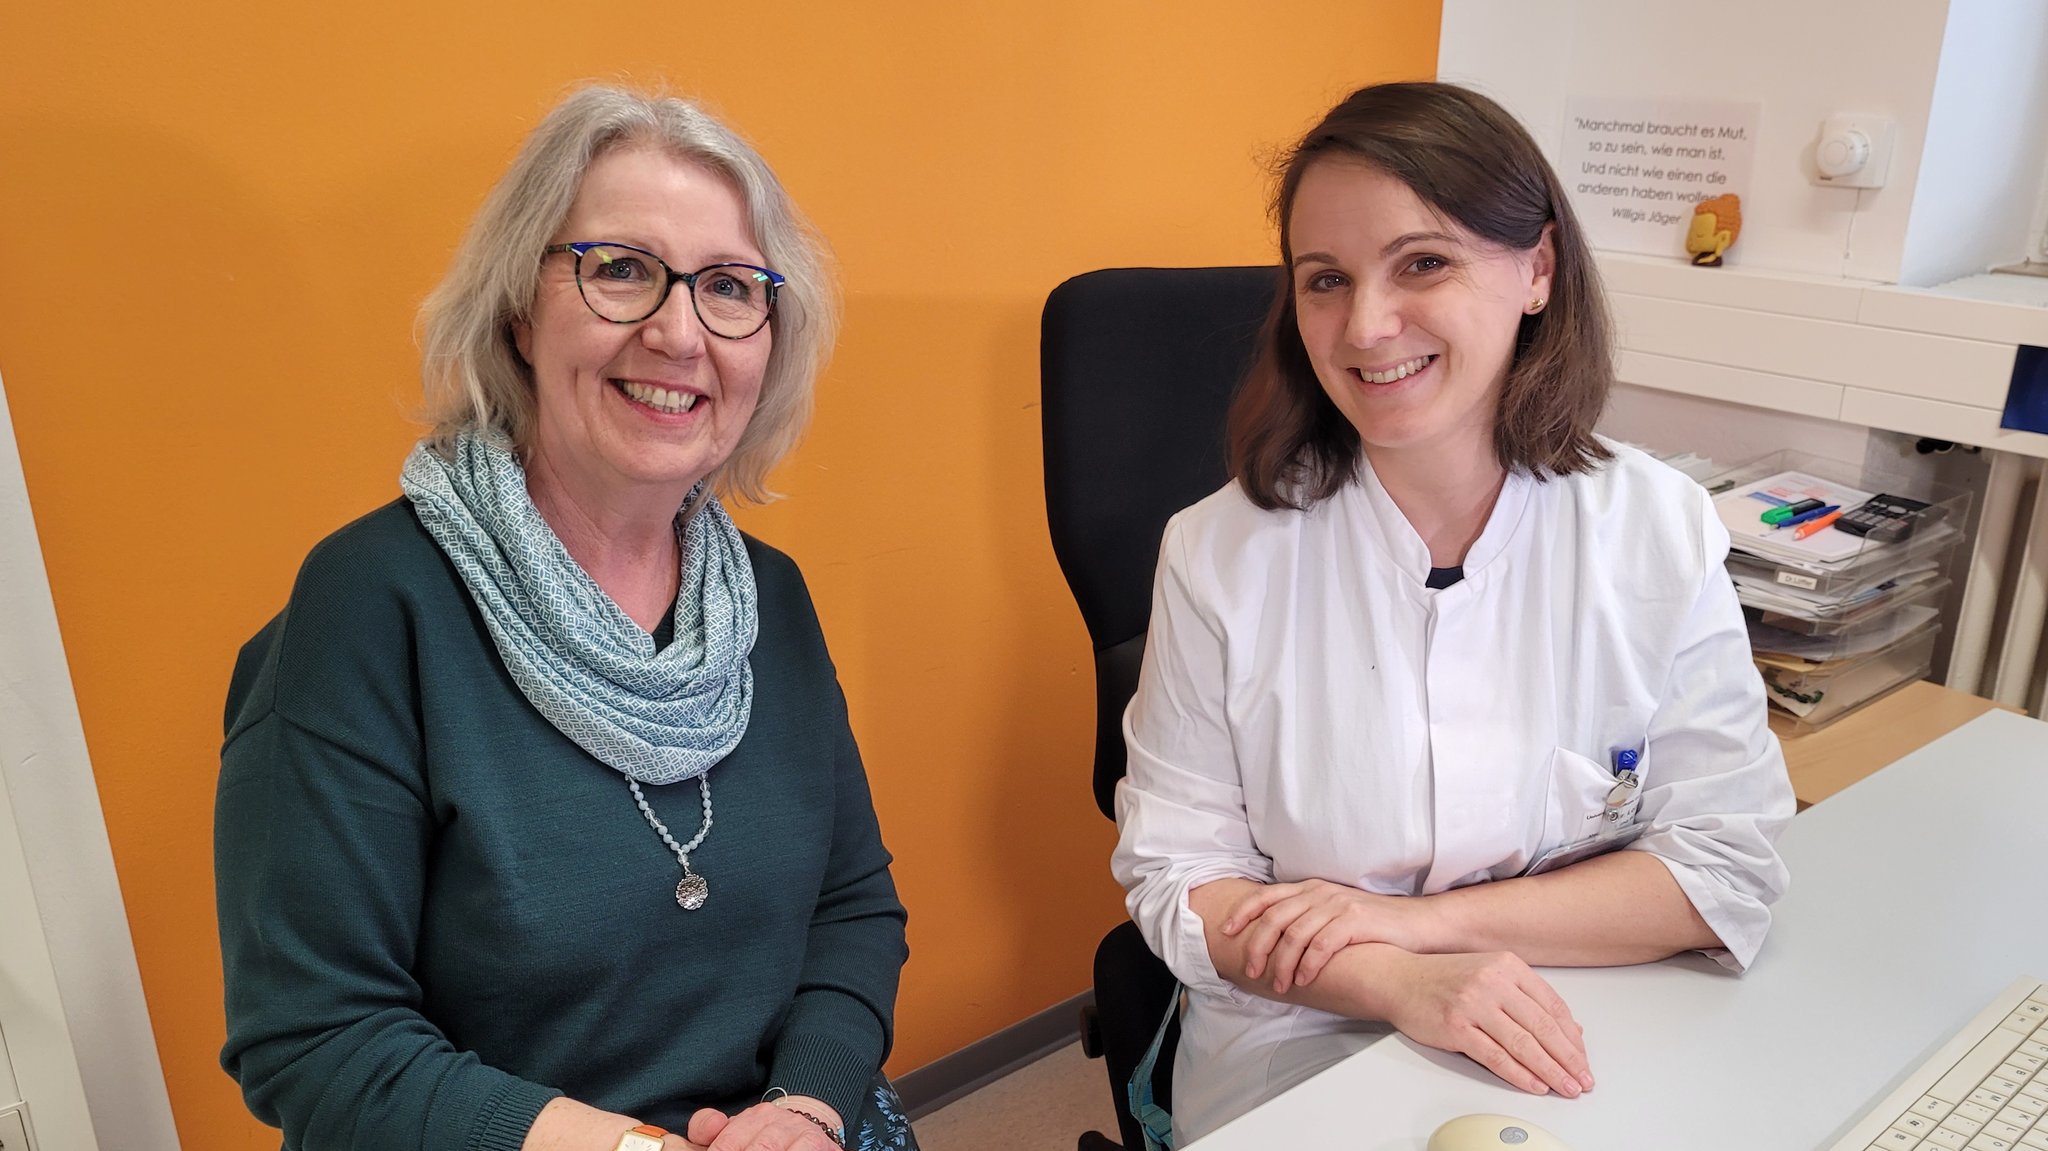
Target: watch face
[635,1141]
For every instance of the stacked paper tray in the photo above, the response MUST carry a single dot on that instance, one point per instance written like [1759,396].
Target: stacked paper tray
[1829,565]
[1874,566]
[1776,607]
[1836,619]
[1809,695]
[1851,634]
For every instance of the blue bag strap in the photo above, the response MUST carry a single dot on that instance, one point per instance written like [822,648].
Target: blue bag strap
[1156,1121]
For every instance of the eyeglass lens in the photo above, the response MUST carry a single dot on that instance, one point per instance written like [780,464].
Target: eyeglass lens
[625,286]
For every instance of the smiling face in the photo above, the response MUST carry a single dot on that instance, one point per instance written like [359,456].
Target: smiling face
[635,414]
[1408,319]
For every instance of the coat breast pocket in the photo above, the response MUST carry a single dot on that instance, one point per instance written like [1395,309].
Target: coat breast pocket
[1579,820]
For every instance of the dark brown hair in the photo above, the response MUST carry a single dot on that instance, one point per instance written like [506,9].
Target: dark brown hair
[1467,158]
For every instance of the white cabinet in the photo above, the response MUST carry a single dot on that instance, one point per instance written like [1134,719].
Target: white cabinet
[1926,362]
[14,1130]
[10,1090]
[13,1112]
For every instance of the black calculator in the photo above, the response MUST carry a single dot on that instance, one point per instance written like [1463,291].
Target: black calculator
[1885,518]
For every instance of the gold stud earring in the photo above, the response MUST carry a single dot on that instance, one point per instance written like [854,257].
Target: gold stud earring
[1536,305]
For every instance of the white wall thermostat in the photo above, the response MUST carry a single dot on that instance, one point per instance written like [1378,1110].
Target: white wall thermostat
[1853,152]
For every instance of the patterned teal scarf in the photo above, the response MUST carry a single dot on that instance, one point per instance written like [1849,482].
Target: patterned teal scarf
[658,717]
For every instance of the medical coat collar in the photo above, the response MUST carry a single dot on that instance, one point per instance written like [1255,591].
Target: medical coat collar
[1402,544]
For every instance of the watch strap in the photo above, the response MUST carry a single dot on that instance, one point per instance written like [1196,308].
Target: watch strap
[646,1137]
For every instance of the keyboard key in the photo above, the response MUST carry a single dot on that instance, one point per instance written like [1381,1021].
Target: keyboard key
[2005,1131]
[2022,1112]
[1975,1112]
[1971,1069]
[1989,1143]
[2035,1047]
[2021,1022]
[1963,1124]
[1932,1107]
[1917,1125]
[1989,1098]
[2025,1059]
[2038,1089]
[1952,1141]
[2035,1009]
[1896,1140]
[2035,1140]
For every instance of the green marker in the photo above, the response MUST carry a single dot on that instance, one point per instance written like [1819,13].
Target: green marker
[1779,515]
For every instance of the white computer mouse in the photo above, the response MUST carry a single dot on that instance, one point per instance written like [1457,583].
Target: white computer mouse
[1493,1133]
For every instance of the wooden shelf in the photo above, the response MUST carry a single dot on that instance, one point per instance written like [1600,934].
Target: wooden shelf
[1826,761]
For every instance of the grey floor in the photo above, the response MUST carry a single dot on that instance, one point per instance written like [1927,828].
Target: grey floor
[1044,1106]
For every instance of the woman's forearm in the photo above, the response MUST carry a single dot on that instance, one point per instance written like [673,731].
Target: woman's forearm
[1615,909]
[566,1125]
[1354,982]
[1488,1006]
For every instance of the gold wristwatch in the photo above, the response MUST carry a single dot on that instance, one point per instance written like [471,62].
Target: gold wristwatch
[646,1137]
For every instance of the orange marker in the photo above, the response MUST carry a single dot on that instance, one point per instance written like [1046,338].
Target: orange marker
[1807,529]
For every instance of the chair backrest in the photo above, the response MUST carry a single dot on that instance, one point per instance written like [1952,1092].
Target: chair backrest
[1136,370]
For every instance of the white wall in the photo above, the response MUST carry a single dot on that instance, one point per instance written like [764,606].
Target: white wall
[71,1003]
[1802,60]
[1964,80]
[1987,143]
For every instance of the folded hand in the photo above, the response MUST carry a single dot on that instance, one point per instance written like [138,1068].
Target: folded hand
[1291,930]
[1496,1010]
[762,1127]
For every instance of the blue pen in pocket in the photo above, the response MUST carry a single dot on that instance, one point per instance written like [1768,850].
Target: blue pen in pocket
[1621,798]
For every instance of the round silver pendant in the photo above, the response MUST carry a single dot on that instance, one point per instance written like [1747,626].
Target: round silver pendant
[692,891]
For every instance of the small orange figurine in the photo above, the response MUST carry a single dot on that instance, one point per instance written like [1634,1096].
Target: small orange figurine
[1715,224]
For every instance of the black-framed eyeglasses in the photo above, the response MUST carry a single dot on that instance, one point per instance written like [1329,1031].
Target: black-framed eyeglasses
[625,285]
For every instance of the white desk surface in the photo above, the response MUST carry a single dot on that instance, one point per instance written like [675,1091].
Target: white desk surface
[1917,895]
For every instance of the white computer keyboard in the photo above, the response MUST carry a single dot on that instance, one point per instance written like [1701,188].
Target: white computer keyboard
[1985,1090]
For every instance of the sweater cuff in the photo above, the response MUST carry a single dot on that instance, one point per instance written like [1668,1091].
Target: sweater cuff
[506,1114]
[831,1049]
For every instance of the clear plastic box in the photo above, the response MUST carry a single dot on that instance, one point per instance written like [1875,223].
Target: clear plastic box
[1831,690]
[1866,628]
[1829,567]
[1850,619]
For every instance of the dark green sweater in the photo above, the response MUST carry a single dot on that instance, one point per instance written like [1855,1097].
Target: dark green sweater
[437,913]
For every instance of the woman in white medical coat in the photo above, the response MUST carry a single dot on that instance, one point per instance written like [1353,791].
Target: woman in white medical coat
[1441,686]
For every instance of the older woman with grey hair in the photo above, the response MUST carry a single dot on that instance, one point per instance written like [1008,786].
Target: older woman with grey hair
[471,890]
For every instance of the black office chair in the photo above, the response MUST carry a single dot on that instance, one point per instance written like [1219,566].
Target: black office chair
[1136,370]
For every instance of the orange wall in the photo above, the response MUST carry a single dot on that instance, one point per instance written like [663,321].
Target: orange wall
[217,218]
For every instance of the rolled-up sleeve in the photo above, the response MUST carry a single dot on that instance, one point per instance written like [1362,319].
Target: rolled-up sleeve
[1715,792]
[1180,808]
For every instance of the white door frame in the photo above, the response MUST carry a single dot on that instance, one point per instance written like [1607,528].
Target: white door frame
[72,1015]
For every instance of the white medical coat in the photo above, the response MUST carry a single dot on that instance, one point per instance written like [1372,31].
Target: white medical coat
[1309,709]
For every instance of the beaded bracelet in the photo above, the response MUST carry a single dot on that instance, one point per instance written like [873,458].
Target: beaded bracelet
[775,1096]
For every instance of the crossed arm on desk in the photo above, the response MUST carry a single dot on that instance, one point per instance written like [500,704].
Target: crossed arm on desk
[1452,970]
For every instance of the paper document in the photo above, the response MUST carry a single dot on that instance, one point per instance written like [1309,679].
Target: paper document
[1741,509]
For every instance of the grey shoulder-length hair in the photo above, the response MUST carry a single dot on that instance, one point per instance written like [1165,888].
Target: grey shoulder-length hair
[474,377]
